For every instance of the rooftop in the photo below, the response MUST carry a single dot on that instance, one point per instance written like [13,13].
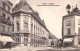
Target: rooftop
[75,11]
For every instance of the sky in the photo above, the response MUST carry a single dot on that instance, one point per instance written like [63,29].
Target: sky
[52,15]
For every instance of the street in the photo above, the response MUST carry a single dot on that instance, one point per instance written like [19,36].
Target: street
[41,49]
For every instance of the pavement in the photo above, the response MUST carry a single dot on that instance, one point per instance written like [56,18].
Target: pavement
[40,49]
[26,49]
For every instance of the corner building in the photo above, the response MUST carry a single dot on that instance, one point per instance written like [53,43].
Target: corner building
[28,28]
[5,23]
[71,28]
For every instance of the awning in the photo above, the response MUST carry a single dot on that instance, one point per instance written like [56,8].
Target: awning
[1,38]
[6,39]
[68,40]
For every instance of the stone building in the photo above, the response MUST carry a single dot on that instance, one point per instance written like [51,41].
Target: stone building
[5,23]
[71,27]
[28,28]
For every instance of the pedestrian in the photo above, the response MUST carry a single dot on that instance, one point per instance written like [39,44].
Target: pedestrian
[52,44]
[57,44]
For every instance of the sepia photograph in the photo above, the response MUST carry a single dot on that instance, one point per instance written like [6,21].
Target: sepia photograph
[39,25]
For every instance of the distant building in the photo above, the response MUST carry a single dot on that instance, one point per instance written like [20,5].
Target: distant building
[28,28]
[71,27]
[5,23]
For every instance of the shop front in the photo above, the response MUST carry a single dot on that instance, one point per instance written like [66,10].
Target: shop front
[5,42]
[68,42]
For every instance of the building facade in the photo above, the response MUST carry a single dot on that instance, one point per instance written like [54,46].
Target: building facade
[5,23]
[71,28]
[28,28]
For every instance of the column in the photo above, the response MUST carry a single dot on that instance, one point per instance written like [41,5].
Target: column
[21,21]
[29,24]
[76,32]
[75,41]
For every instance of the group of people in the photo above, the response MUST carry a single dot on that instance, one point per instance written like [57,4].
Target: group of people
[59,44]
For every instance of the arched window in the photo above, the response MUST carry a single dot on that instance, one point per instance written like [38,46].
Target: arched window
[25,26]
[18,27]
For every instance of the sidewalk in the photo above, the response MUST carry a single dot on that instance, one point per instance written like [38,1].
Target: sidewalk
[36,48]
[26,49]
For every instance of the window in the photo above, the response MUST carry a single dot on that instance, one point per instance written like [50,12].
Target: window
[18,27]
[8,29]
[18,40]
[25,41]
[31,20]
[68,23]
[79,32]
[31,28]
[3,15]
[3,27]
[8,18]
[26,18]
[26,26]
[68,31]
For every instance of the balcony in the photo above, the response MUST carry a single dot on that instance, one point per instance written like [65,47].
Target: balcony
[25,31]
